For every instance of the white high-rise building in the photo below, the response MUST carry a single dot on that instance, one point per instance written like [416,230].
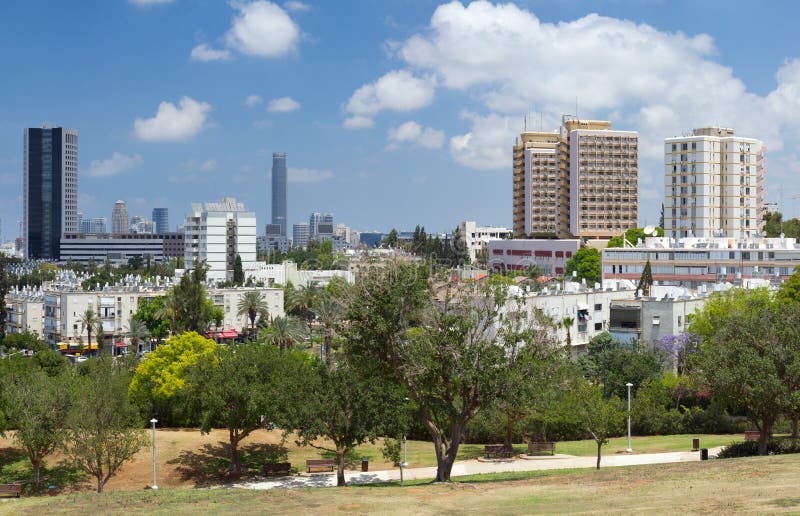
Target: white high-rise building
[300,235]
[119,218]
[218,231]
[713,184]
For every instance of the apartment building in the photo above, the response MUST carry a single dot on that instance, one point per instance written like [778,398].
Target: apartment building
[476,238]
[713,184]
[549,256]
[578,182]
[24,311]
[215,233]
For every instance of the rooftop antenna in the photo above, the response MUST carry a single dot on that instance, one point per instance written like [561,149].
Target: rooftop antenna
[576,108]
[525,122]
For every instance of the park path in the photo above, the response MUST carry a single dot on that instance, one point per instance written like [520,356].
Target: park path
[473,467]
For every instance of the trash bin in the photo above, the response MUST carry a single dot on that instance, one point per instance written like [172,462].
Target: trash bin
[365,464]
[51,490]
[695,444]
[703,453]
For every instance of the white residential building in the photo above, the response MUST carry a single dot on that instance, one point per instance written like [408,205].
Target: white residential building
[713,184]
[25,311]
[477,237]
[279,274]
[218,231]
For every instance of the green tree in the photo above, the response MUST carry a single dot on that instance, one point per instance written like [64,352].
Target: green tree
[720,305]
[237,388]
[345,409]
[568,323]
[104,430]
[89,322]
[155,316]
[284,332]
[36,405]
[391,240]
[329,314]
[392,450]
[602,417]
[26,340]
[773,224]
[137,332]
[157,385]
[646,281]
[441,344]
[790,290]
[586,262]
[302,303]
[633,235]
[253,305]
[613,364]
[192,309]
[238,272]
[751,361]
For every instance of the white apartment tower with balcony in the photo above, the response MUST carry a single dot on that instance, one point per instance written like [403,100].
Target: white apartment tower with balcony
[216,232]
[713,184]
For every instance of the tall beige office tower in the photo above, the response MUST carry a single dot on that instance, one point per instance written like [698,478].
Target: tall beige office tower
[581,181]
[713,184]
[119,218]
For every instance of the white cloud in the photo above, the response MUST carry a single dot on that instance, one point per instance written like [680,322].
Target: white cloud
[412,132]
[115,165]
[283,105]
[262,29]
[358,122]
[252,101]
[488,143]
[205,53]
[200,166]
[398,90]
[173,123]
[150,2]
[308,175]
[296,6]
[659,83]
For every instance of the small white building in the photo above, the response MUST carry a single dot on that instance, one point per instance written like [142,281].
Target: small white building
[271,274]
[25,311]
[215,233]
[477,237]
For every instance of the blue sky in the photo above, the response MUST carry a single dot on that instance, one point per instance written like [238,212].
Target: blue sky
[393,112]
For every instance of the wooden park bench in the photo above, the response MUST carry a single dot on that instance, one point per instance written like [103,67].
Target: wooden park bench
[11,489]
[534,448]
[278,468]
[495,451]
[752,435]
[320,464]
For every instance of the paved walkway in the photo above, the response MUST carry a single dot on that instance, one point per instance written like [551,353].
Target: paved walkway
[473,467]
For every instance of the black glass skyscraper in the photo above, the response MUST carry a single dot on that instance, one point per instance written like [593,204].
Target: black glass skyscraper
[50,189]
[280,192]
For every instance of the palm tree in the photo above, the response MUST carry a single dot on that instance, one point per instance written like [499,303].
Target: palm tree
[88,321]
[252,304]
[567,323]
[303,302]
[137,332]
[167,310]
[284,332]
[329,311]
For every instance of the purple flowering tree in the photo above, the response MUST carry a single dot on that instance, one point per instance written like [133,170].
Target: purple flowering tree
[678,348]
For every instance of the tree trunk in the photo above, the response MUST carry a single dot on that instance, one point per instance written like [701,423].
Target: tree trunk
[401,474]
[509,429]
[794,426]
[599,449]
[446,448]
[340,467]
[37,465]
[235,466]
[100,483]
[763,438]
[328,346]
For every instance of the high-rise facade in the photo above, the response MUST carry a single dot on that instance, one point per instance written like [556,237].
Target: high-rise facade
[214,233]
[94,226]
[300,235]
[161,219]
[119,218]
[713,184]
[313,221]
[50,189]
[280,192]
[581,181]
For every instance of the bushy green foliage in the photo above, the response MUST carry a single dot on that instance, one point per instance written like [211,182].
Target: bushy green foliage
[612,364]
[586,262]
[781,446]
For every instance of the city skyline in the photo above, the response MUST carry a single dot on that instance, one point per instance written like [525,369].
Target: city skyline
[408,110]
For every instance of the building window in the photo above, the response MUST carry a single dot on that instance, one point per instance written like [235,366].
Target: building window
[598,326]
[598,307]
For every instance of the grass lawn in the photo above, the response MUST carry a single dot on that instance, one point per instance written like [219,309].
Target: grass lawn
[188,459]
[757,484]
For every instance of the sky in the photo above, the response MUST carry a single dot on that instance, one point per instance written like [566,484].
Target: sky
[393,113]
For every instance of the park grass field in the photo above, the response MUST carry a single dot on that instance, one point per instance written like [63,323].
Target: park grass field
[188,459]
[755,485]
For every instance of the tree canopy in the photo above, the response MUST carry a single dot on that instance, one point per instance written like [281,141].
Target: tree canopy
[586,264]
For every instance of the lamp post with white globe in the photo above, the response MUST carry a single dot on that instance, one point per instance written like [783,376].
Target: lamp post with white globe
[153,422]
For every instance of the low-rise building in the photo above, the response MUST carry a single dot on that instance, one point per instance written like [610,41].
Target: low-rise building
[117,249]
[476,238]
[550,256]
[25,311]
[270,274]
[693,262]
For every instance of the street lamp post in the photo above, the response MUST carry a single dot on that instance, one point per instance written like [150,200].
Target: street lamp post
[405,455]
[629,385]
[153,422]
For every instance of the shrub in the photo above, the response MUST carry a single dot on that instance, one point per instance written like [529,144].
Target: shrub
[780,446]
